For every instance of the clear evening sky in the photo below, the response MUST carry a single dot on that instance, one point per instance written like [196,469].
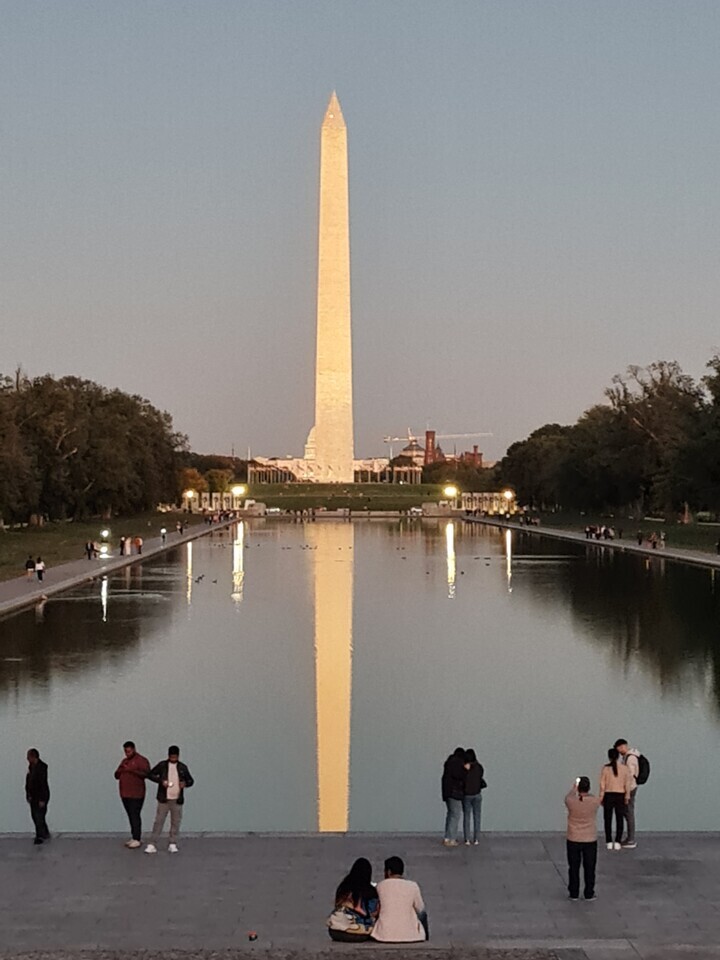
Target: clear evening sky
[534,204]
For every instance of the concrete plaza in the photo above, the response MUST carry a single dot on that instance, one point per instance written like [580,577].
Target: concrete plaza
[88,893]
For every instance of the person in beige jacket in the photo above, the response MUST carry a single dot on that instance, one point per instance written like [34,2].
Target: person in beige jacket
[582,808]
[616,784]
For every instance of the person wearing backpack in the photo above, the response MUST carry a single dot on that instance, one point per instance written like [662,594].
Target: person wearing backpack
[639,768]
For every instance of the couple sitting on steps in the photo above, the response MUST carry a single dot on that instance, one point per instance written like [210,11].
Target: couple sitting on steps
[391,912]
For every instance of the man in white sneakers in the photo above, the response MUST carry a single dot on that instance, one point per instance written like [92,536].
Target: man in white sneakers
[630,757]
[172,778]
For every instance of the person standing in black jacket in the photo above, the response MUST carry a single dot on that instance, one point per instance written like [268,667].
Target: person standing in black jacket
[37,793]
[472,800]
[453,791]
[172,778]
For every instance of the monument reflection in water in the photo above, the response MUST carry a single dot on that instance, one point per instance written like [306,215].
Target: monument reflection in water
[333,592]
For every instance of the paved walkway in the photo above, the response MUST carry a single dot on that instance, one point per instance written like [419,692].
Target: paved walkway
[21,592]
[76,893]
[625,545]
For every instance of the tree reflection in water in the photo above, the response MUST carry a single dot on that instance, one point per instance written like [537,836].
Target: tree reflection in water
[87,629]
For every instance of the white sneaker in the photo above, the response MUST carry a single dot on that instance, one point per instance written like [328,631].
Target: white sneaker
[133,844]
[450,843]
[616,846]
[173,848]
[467,843]
[609,845]
[151,848]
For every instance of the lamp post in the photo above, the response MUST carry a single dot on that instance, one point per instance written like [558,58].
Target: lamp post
[104,543]
[508,496]
[237,491]
[188,496]
[451,492]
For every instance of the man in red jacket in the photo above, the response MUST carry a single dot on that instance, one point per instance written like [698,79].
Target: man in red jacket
[131,779]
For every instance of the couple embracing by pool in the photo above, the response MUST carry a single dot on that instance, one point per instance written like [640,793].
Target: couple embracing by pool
[463,780]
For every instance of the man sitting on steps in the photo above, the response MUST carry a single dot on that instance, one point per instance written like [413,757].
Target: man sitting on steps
[402,912]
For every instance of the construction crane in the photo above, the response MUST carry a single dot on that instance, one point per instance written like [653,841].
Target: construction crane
[438,436]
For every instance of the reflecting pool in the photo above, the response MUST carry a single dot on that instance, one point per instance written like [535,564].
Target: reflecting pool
[317,675]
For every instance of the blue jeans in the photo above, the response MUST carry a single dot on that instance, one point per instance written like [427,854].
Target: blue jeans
[452,818]
[472,808]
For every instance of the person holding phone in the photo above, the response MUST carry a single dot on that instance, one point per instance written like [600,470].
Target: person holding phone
[173,778]
[582,808]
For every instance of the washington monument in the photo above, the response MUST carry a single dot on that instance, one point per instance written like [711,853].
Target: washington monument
[331,441]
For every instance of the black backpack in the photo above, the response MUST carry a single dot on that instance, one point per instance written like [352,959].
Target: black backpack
[643,770]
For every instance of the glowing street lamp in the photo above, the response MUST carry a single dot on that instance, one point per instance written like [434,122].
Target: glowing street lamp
[451,491]
[509,495]
[238,490]
[189,494]
[104,550]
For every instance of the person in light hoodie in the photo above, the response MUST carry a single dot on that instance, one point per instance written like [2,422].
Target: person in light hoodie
[629,757]
[615,787]
[403,918]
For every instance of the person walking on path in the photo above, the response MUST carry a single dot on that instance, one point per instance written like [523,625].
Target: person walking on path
[40,569]
[630,757]
[582,808]
[89,549]
[29,567]
[138,541]
[472,799]
[172,778]
[131,774]
[453,791]
[403,918]
[37,794]
[615,787]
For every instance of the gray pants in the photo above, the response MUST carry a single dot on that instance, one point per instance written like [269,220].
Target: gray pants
[163,809]
[630,817]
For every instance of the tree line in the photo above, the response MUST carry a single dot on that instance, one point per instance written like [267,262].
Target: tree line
[70,448]
[653,447]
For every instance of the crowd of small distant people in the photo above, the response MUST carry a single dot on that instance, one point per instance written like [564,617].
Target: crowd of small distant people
[604,531]
[127,545]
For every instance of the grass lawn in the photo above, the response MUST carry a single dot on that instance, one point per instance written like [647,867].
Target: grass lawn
[336,496]
[687,536]
[63,541]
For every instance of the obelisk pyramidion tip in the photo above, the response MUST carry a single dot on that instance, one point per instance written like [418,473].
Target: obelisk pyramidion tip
[333,114]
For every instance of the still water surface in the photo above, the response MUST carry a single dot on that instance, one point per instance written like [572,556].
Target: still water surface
[316,677]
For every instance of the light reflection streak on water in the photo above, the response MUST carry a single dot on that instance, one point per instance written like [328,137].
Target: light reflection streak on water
[104,597]
[508,559]
[451,564]
[238,559]
[189,572]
